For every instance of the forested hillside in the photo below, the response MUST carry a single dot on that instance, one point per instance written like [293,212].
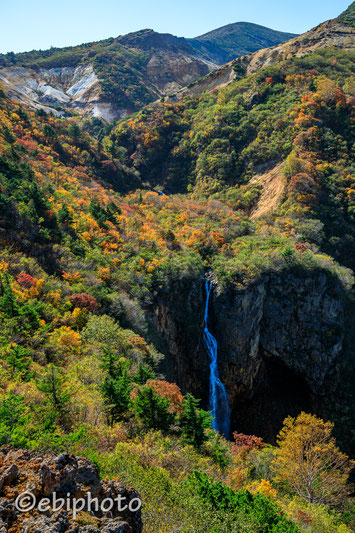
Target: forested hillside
[108,234]
[297,115]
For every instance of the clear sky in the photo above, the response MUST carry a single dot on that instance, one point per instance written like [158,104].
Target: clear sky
[39,24]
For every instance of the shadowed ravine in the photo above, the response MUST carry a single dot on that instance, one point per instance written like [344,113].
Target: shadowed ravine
[218,398]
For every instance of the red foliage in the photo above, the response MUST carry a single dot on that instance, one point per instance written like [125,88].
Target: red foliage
[247,442]
[28,143]
[164,389]
[26,281]
[83,300]
[300,247]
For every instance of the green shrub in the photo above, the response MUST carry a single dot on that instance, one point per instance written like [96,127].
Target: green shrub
[265,514]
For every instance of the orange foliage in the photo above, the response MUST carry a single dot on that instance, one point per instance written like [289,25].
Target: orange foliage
[164,389]
[71,278]
[67,338]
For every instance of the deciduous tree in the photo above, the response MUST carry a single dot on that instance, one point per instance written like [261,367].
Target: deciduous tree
[308,462]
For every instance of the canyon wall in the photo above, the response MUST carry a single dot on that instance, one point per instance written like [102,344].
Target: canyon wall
[280,344]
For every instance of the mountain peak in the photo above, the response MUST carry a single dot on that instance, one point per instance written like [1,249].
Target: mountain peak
[147,39]
[116,76]
[231,27]
[239,38]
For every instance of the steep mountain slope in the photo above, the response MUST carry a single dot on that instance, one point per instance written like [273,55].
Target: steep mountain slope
[112,78]
[140,258]
[106,244]
[337,33]
[58,89]
[234,40]
[286,129]
[348,15]
[299,111]
[108,79]
[84,273]
[333,33]
[277,146]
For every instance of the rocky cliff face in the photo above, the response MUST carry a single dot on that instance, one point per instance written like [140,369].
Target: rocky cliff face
[280,340]
[178,322]
[57,90]
[68,477]
[280,345]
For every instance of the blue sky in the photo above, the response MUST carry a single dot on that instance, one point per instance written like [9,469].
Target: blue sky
[39,24]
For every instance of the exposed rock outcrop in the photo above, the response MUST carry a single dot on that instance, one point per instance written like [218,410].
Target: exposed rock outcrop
[73,81]
[279,340]
[178,321]
[272,185]
[59,89]
[168,64]
[67,477]
[280,344]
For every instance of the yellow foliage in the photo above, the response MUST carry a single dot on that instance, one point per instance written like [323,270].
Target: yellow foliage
[86,236]
[67,338]
[53,297]
[36,289]
[263,487]
[76,313]
[17,292]
[237,478]
[308,462]
[3,266]
[152,265]
[104,273]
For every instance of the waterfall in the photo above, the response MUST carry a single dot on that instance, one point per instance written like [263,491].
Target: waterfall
[218,398]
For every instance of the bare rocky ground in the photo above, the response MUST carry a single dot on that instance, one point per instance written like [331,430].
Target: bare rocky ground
[68,477]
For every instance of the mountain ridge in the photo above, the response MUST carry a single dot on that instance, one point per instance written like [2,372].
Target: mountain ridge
[120,75]
[108,235]
[335,33]
[241,38]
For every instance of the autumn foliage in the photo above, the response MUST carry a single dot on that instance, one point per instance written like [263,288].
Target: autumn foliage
[171,391]
[308,462]
[26,281]
[83,300]
[246,442]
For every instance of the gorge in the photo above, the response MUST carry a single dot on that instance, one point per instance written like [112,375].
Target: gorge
[174,246]
[267,363]
[218,397]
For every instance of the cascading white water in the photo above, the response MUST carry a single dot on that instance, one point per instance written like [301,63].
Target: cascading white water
[218,398]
